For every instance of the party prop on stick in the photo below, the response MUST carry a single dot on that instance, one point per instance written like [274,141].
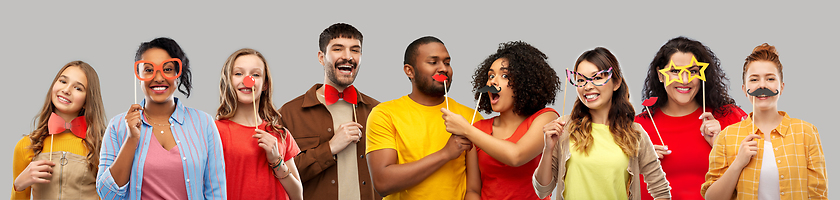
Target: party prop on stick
[331,95]
[701,75]
[599,79]
[482,90]
[56,125]
[249,81]
[442,78]
[647,103]
[759,93]
[684,69]
[565,87]
[170,69]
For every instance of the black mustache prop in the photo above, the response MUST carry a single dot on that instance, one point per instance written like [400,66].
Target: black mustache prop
[762,92]
[490,89]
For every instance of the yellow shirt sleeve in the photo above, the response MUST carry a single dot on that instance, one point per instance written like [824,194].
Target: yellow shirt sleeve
[717,160]
[817,180]
[380,130]
[22,158]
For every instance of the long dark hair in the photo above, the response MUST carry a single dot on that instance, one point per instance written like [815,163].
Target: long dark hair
[621,113]
[717,95]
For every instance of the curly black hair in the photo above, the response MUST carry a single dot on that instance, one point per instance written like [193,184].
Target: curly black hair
[534,82]
[717,95]
[175,51]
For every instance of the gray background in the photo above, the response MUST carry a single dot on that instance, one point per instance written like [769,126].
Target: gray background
[40,37]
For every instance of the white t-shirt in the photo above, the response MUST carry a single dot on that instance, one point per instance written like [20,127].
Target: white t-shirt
[768,184]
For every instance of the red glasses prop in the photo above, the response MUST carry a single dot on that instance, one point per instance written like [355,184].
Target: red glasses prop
[169,69]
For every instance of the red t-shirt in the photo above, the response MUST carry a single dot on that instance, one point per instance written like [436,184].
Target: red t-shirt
[248,173]
[500,181]
[688,163]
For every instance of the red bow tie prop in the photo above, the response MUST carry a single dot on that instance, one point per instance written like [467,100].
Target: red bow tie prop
[57,125]
[331,95]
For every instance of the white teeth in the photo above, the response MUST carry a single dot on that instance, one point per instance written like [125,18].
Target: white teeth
[345,67]
[683,89]
[592,96]
[159,88]
[245,89]
[63,99]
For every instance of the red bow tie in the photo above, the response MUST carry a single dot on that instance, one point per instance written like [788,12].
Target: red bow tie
[331,95]
[57,125]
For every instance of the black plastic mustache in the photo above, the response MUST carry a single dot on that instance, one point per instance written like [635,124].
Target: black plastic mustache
[490,89]
[762,92]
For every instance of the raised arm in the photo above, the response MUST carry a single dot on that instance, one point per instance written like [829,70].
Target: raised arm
[509,153]
[116,155]
[723,177]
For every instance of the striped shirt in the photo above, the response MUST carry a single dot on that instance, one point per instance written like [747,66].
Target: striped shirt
[201,153]
[798,156]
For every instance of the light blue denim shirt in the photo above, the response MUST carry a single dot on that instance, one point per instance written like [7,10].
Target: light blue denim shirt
[197,140]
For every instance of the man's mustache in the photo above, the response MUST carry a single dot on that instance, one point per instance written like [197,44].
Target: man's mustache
[348,61]
[762,92]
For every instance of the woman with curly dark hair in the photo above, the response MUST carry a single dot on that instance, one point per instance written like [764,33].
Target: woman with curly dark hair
[507,147]
[679,115]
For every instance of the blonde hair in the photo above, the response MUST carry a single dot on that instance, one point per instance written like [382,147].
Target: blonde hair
[621,112]
[763,52]
[228,97]
[93,110]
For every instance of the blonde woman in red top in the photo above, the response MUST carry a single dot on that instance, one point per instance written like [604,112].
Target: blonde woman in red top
[259,151]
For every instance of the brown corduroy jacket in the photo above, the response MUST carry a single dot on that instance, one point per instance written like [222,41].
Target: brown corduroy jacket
[311,124]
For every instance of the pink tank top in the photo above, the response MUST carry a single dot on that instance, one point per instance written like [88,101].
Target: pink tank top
[163,173]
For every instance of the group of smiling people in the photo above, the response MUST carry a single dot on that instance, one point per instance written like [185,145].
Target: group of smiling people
[335,142]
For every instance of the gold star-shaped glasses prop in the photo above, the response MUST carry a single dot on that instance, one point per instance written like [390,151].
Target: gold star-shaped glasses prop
[684,69]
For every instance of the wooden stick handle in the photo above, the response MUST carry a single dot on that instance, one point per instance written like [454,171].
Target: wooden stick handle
[254,100]
[654,126]
[476,108]
[446,95]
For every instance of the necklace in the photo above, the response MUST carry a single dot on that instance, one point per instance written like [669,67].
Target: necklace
[161,125]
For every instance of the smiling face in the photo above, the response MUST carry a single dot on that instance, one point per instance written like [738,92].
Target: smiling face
[498,76]
[595,97]
[248,65]
[682,93]
[763,74]
[159,89]
[341,61]
[69,91]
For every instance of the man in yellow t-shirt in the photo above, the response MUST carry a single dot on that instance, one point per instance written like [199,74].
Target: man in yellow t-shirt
[409,152]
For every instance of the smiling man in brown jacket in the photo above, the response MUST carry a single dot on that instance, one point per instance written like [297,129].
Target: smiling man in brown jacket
[327,122]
